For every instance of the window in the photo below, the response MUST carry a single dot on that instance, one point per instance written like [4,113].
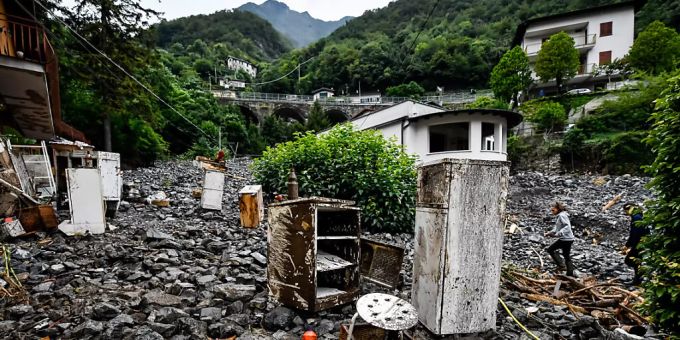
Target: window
[450,137]
[488,137]
[605,57]
[606,29]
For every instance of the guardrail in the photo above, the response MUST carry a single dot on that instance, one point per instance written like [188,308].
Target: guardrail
[448,98]
[579,41]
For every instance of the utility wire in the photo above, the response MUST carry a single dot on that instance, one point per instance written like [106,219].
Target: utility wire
[420,31]
[284,76]
[124,70]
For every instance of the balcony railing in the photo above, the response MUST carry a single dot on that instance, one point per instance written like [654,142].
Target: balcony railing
[22,39]
[580,41]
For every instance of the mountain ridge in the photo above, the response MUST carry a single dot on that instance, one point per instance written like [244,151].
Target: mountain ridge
[301,28]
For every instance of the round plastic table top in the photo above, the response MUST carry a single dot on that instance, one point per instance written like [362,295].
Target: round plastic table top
[387,312]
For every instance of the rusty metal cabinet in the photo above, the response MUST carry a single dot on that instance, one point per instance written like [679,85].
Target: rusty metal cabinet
[313,253]
[458,244]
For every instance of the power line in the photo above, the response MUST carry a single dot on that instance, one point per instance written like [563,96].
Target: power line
[284,76]
[123,70]
[422,27]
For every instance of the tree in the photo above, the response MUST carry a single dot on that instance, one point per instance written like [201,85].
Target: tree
[656,49]
[549,117]
[117,28]
[558,59]
[511,75]
[661,249]
[317,120]
[410,90]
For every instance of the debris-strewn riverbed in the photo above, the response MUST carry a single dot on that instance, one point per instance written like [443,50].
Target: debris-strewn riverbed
[183,273]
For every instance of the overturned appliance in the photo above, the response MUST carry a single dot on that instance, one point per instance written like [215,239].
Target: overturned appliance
[69,154]
[315,256]
[458,244]
[85,203]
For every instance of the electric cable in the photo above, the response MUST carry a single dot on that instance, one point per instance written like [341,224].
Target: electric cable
[124,70]
[284,76]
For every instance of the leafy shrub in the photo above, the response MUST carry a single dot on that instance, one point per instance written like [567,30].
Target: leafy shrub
[549,116]
[661,249]
[517,149]
[626,153]
[487,103]
[410,90]
[347,164]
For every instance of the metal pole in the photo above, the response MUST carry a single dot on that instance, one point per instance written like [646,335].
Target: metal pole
[220,138]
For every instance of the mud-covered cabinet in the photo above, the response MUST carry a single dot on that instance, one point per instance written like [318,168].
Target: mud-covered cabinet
[313,252]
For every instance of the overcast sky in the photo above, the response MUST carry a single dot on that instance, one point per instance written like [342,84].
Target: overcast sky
[320,9]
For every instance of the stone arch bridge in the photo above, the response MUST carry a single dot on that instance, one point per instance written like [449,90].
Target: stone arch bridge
[257,106]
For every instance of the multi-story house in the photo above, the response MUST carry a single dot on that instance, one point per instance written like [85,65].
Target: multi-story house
[601,35]
[29,77]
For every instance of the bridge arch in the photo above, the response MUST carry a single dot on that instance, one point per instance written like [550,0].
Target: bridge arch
[290,113]
[249,114]
[337,116]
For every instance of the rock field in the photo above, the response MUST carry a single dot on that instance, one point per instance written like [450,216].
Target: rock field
[179,272]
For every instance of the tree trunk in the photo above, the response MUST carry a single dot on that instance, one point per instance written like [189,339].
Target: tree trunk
[558,81]
[107,133]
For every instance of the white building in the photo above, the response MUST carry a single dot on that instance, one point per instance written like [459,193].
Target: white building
[601,35]
[323,93]
[236,64]
[433,133]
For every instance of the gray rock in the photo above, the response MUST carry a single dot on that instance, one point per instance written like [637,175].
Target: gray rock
[155,235]
[278,319]
[146,333]
[169,315]
[192,327]
[325,326]
[21,254]
[224,330]
[162,328]
[115,327]
[57,268]
[88,328]
[233,292]
[205,279]
[259,258]
[211,313]
[43,287]
[19,310]
[7,326]
[162,299]
[104,311]
[241,319]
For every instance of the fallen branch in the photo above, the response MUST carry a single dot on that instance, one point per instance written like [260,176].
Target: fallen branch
[539,298]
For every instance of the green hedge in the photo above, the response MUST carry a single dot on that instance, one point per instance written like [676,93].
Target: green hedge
[347,164]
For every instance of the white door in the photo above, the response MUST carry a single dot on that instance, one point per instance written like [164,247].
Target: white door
[112,182]
[213,188]
[85,201]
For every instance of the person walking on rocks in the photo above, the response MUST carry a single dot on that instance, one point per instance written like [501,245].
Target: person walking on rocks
[565,238]
[635,235]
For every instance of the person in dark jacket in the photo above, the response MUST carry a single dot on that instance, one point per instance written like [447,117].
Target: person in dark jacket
[565,239]
[636,233]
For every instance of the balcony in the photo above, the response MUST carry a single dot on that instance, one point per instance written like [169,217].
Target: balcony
[582,43]
[22,39]
[29,81]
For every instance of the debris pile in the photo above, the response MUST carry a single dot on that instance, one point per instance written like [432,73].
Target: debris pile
[609,302]
[178,271]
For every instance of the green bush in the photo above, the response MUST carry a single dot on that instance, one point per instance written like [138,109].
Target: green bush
[347,164]
[661,249]
[410,90]
[549,117]
[487,103]
[626,153]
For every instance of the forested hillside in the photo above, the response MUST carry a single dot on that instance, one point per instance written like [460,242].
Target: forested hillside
[243,33]
[450,43]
